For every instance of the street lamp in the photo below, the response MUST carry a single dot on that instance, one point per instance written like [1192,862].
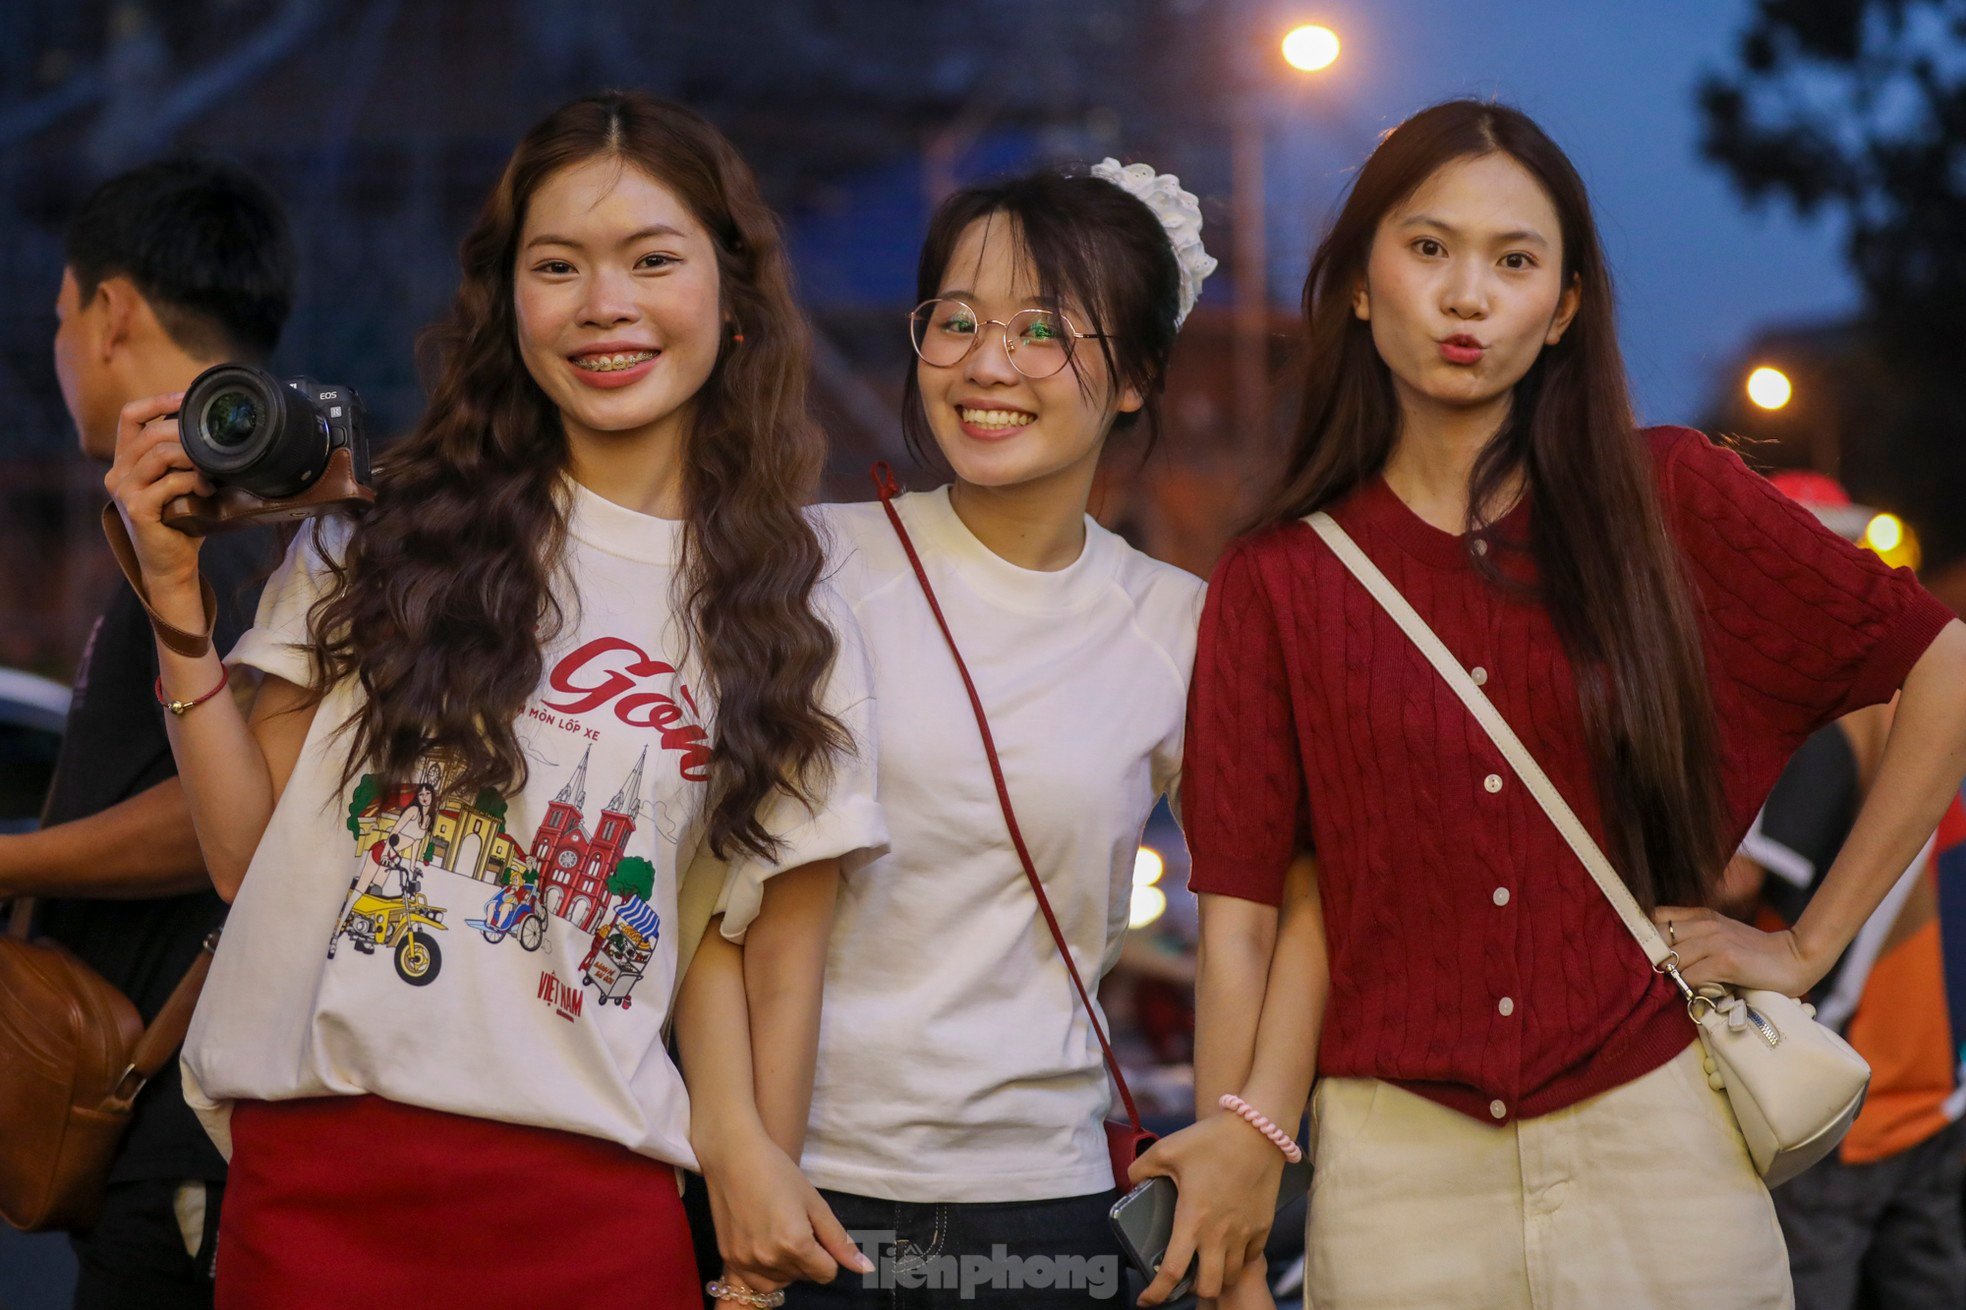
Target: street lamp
[1769,387]
[1308,48]
[1894,542]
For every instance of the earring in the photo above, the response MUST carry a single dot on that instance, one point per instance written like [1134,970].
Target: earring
[737,338]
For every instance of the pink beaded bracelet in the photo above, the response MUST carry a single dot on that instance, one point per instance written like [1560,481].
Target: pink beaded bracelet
[1261,1123]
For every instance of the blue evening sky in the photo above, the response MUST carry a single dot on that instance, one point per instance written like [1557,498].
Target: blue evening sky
[1698,274]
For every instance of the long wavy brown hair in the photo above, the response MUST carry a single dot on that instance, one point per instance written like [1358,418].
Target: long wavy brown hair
[445,596]
[1609,571]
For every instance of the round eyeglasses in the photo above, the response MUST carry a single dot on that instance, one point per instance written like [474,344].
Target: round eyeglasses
[1038,342]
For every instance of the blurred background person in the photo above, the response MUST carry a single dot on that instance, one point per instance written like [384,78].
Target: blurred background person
[171,268]
[1879,1222]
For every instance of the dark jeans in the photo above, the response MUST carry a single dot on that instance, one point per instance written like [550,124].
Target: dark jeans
[1885,1234]
[1034,1255]
[134,1256]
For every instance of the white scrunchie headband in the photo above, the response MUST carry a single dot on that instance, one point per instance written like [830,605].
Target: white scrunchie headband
[1180,217]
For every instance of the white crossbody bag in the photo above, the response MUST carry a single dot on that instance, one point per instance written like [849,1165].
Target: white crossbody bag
[1795,1085]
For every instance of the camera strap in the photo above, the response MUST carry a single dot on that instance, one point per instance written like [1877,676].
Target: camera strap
[191,645]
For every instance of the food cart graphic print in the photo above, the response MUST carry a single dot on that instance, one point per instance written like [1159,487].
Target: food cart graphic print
[621,951]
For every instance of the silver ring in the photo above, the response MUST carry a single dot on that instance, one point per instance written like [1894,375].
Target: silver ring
[1672,938]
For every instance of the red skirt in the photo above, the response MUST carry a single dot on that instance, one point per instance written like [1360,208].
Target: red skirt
[353,1200]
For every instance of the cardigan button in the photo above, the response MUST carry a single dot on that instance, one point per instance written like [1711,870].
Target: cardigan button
[1501,896]
[1480,676]
[1497,1110]
[1506,1006]
[1492,783]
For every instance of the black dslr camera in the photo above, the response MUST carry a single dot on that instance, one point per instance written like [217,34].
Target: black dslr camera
[274,450]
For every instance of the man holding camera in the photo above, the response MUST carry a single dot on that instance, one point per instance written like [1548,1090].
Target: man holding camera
[171,268]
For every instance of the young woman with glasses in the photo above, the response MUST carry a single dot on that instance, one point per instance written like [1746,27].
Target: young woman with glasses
[956,1110]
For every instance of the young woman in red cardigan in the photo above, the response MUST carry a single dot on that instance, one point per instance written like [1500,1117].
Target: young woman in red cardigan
[1511,1107]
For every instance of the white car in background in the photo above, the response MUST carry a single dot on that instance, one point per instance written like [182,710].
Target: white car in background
[33,712]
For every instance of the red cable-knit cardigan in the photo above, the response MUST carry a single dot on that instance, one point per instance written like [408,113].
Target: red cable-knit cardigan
[1472,959]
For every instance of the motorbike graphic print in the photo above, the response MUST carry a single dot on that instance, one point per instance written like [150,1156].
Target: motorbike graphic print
[401,923]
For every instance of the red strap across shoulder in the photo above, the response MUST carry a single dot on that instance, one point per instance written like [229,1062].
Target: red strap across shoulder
[887,487]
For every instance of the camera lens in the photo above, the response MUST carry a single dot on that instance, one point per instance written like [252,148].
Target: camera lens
[231,418]
[245,428]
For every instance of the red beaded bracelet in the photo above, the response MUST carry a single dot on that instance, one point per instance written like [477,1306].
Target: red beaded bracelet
[181,707]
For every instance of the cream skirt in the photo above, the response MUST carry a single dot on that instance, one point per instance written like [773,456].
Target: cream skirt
[1641,1197]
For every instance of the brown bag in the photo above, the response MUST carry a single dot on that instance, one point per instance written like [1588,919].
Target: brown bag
[73,1056]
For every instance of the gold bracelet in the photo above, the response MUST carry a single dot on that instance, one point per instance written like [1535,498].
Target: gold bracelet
[722,1291]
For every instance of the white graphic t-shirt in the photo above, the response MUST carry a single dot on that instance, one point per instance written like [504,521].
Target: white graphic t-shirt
[504,957]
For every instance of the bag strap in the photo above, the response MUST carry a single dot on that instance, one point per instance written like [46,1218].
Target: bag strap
[165,1034]
[1664,959]
[886,486]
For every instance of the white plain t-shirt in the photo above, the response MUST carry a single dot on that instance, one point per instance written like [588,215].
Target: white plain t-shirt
[955,1062]
[559,1027]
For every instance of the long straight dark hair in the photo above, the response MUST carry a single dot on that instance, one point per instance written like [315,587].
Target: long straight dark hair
[1609,571]
[446,598]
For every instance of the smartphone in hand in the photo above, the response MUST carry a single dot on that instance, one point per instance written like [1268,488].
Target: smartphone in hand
[1143,1220]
